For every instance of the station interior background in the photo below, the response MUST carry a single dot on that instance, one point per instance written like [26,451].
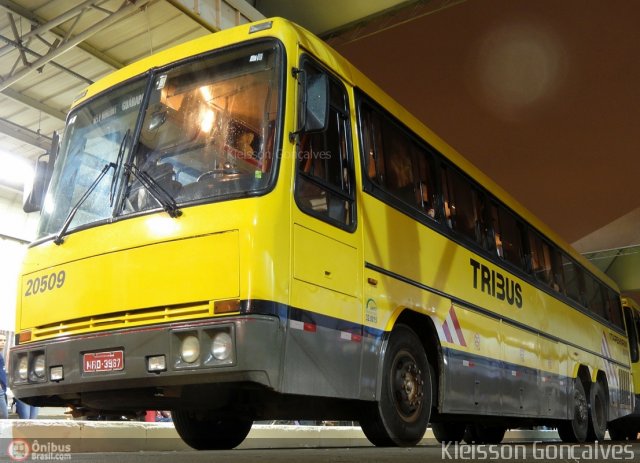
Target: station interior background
[543,96]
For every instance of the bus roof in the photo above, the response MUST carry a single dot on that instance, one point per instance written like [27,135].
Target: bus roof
[290,33]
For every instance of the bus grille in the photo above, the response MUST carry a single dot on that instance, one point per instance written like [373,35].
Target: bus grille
[125,319]
[625,387]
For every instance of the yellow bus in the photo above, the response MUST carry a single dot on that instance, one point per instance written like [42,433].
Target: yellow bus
[245,227]
[628,427]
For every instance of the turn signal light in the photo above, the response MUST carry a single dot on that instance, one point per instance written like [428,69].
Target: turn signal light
[24,336]
[230,306]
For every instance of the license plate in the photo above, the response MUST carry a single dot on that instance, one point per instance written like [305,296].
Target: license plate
[103,361]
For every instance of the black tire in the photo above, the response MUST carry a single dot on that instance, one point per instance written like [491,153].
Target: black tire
[401,416]
[202,431]
[448,432]
[480,434]
[598,412]
[576,429]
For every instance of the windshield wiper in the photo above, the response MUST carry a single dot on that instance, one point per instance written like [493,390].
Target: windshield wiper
[118,167]
[59,239]
[161,195]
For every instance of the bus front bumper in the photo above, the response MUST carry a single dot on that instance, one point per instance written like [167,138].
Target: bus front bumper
[149,366]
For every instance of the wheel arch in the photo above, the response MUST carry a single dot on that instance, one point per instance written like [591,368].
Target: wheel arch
[424,328]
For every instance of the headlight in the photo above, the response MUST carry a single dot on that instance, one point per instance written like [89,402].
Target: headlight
[23,368]
[38,366]
[190,350]
[222,346]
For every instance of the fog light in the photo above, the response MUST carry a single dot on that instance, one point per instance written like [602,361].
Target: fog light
[38,366]
[56,373]
[190,350]
[156,363]
[23,368]
[222,346]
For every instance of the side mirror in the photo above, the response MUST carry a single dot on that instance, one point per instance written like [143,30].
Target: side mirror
[33,193]
[316,103]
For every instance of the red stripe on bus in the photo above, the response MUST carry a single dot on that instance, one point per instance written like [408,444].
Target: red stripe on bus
[456,325]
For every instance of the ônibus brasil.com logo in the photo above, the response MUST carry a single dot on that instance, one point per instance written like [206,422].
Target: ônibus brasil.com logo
[22,450]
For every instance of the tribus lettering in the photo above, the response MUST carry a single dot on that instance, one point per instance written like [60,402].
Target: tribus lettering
[495,284]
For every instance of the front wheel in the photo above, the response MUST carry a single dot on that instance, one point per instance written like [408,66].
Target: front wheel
[401,416]
[210,432]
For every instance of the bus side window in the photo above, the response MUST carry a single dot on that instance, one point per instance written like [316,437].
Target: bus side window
[633,329]
[324,181]
[372,144]
[426,191]
[557,277]
[613,307]
[464,204]
[572,278]
[395,162]
[398,164]
[540,258]
[495,227]
[511,238]
[594,297]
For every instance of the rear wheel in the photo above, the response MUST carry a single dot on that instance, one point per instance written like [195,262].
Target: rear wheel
[448,432]
[401,416]
[575,429]
[598,412]
[210,432]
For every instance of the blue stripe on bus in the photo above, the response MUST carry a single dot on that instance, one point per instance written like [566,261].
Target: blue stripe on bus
[286,312]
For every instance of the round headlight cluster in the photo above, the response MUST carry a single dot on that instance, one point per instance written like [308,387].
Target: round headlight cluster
[221,346]
[38,366]
[190,350]
[23,368]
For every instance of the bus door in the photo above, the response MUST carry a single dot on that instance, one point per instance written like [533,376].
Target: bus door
[324,336]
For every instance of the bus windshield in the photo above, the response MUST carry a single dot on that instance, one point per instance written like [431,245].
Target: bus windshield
[206,133]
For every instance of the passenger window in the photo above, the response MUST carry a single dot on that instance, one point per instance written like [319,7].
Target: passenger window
[557,277]
[426,184]
[396,163]
[540,258]
[507,235]
[613,306]
[464,207]
[594,297]
[573,279]
[324,182]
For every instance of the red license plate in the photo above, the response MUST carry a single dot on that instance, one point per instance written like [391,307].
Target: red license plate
[103,361]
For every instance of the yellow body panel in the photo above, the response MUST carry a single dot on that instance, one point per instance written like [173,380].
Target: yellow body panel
[129,282]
